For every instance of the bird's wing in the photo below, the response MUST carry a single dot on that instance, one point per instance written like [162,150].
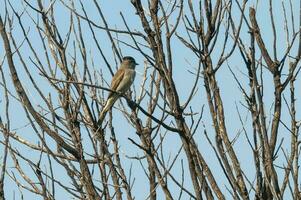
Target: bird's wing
[116,80]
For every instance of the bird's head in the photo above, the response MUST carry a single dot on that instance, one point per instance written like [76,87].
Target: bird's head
[129,61]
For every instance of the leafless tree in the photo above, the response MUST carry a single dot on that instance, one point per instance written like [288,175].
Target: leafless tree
[193,137]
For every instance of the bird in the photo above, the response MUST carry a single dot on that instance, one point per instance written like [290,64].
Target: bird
[121,82]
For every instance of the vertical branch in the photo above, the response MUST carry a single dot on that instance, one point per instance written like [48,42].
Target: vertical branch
[273,29]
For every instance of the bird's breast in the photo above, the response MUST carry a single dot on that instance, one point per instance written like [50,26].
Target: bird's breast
[133,75]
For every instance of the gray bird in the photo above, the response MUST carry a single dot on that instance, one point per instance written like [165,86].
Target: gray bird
[121,82]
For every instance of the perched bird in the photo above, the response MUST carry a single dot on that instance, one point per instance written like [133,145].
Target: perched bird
[121,82]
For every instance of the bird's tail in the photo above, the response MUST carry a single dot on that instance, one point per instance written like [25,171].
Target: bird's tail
[107,107]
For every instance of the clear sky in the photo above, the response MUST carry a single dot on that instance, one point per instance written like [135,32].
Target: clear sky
[184,62]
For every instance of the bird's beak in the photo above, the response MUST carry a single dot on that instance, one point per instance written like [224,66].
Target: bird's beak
[136,64]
